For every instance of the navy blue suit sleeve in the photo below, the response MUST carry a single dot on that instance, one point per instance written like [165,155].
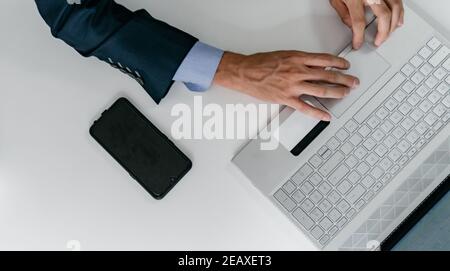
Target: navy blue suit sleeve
[134,42]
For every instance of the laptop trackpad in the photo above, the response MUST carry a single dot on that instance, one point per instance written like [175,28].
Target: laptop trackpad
[368,66]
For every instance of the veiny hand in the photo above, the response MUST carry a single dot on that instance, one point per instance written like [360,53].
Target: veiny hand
[282,77]
[390,14]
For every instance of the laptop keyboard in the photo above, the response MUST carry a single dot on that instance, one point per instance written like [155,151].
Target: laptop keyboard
[337,182]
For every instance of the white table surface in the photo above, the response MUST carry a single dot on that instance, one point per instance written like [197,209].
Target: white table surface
[57,184]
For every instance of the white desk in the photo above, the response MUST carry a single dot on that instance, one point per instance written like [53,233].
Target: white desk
[57,184]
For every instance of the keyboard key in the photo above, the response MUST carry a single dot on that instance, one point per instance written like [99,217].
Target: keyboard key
[351,213]
[416,61]
[417,114]
[389,141]
[351,126]
[351,161]
[356,193]
[334,197]
[360,152]
[347,148]
[407,69]
[422,91]
[378,135]
[342,135]
[407,124]
[316,197]
[400,95]
[303,218]
[316,214]
[334,215]
[373,122]
[360,204]
[381,150]
[440,56]
[342,222]
[325,206]
[394,155]
[326,223]
[382,113]
[298,196]
[417,78]
[439,110]
[398,132]
[403,146]
[425,52]
[446,65]
[317,232]
[430,119]
[344,187]
[355,140]
[354,177]
[446,101]
[414,99]
[377,173]
[306,188]
[315,179]
[333,231]
[425,106]
[368,196]
[440,73]
[434,43]
[404,108]
[333,143]
[372,159]
[426,69]
[343,206]
[324,239]
[368,181]
[396,117]
[315,161]
[328,167]
[289,187]
[302,174]
[387,126]
[421,128]
[364,131]
[324,152]
[369,144]
[285,201]
[431,82]
[338,174]
[443,88]
[386,164]
[307,205]
[363,168]
[324,188]
[409,87]
[391,104]
[377,187]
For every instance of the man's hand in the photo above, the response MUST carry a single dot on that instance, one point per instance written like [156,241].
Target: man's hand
[390,14]
[282,77]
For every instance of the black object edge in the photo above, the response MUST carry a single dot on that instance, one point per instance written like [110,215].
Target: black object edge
[301,146]
[173,182]
[416,215]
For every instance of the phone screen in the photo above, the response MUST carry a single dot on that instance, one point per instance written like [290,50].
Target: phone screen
[146,153]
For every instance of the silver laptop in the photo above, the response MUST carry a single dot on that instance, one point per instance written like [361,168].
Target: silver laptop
[349,184]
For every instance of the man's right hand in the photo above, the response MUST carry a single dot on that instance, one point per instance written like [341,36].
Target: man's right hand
[283,77]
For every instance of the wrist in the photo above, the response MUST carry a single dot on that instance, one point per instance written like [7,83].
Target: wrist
[227,74]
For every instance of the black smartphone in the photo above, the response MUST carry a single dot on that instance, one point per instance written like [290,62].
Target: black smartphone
[140,148]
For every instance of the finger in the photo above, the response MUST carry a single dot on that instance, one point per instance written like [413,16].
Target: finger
[384,15]
[309,110]
[323,91]
[358,20]
[342,11]
[325,60]
[401,21]
[396,7]
[334,77]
